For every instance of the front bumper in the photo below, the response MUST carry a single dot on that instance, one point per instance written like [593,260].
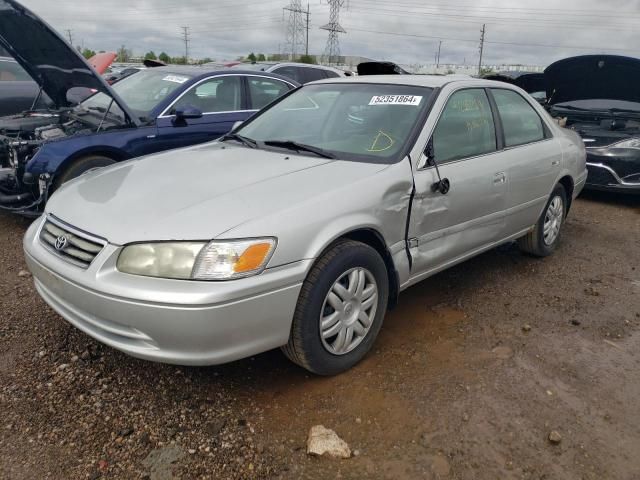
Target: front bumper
[603,177]
[169,321]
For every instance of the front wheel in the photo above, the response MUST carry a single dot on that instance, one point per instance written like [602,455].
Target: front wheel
[80,166]
[340,310]
[543,240]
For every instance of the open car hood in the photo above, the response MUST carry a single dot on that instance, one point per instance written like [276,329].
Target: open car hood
[54,64]
[591,77]
[380,68]
[530,82]
[101,61]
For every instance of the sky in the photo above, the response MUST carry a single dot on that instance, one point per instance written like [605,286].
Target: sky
[403,31]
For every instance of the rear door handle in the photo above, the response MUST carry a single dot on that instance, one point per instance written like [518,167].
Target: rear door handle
[500,178]
[555,163]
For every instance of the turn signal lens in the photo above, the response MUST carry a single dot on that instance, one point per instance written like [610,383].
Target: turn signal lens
[252,258]
[229,260]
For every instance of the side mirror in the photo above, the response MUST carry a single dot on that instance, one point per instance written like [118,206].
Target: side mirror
[443,185]
[430,153]
[188,113]
[237,125]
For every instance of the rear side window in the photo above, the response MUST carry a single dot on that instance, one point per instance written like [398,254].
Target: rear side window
[521,123]
[331,74]
[310,74]
[290,72]
[263,91]
[466,127]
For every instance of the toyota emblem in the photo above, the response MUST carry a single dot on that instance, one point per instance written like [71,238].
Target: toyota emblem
[61,243]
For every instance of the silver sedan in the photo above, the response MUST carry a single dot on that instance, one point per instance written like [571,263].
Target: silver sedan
[300,228]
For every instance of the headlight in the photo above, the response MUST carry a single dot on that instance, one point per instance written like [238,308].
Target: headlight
[198,260]
[631,143]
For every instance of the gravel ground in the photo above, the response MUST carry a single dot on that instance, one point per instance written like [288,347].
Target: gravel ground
[505,367]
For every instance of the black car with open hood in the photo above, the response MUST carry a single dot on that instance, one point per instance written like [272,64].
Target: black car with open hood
[599,95]
[531,82]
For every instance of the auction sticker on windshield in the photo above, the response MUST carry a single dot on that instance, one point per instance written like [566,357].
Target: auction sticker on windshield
[175,79]
[413,100]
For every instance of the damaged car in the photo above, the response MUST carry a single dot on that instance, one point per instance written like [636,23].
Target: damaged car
[302,226]
[599,97]
[154,110]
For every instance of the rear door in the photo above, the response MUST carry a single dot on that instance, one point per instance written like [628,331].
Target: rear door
[222,100]
[471,216]
[533,156]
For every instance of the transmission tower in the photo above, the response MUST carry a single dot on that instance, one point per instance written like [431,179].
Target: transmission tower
[295,43]
[332,50]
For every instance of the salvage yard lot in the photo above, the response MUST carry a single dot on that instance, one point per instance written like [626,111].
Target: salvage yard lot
[470,375]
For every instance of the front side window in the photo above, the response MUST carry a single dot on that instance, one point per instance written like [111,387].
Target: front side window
[466,127]
[141,92]
[360,122]
[221,94]
[263,91]
[521,123]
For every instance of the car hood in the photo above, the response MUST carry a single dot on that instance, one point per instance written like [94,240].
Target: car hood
[589,77]
[54,64]
[197,193]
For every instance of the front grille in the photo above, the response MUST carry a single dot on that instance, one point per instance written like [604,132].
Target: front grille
[73,246]
[600,176]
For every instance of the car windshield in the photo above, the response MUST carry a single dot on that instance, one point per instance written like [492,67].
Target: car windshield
[141,92]
[350,121]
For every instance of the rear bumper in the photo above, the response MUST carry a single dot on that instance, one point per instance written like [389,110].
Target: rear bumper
[178,322]
[603,177]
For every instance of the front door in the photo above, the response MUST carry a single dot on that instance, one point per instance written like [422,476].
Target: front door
[446,228]
[222,101]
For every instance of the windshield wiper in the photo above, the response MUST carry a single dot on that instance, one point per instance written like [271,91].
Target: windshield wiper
[299,147]
[578,109]
[246,141]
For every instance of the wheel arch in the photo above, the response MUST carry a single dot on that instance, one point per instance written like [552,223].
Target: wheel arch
[569,187]
[103,151]
[375,240]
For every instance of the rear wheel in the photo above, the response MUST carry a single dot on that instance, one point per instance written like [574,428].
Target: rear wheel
[340,310]
[80,166]
[543,240]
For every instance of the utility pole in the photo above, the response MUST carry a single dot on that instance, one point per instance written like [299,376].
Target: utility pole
[438,57]
[307,42]
[70,35]
[483,32]
[186,39]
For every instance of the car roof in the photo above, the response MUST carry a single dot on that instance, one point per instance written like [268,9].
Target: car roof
[431,81]
[198,71]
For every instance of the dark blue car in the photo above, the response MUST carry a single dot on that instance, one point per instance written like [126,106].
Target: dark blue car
[153,110]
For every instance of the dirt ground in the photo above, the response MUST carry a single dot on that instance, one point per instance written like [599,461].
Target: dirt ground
[470,375]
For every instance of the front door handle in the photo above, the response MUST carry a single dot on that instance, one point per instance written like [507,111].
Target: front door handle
[500,178]
[555,163]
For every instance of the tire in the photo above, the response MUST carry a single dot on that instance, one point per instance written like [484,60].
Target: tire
[80,166]
[309,347]
[536,243]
